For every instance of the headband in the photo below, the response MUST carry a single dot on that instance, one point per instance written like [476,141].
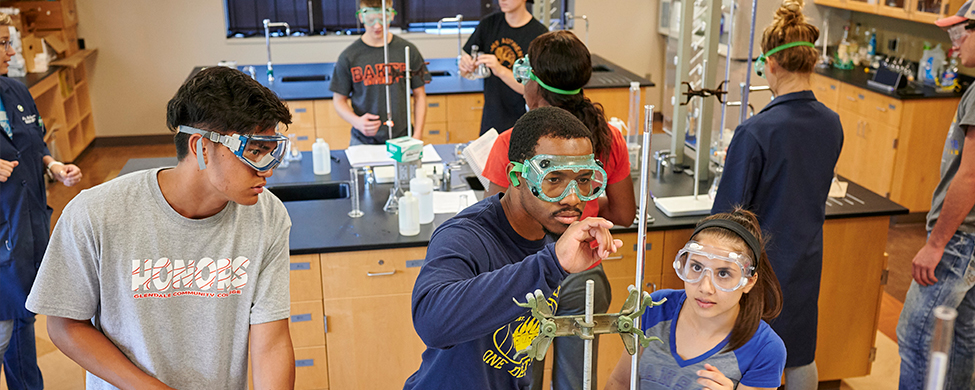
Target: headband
[735,227]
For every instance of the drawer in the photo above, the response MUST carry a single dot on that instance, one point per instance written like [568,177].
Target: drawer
[435,133]
[370,273]
[883,109]
[826,90]
[326,116]
[436,108]
[464,131]
[304,137]
[622,264]
[465,108]
[302,114]
[852,98]
[306,278]
[311,368]
[307,324]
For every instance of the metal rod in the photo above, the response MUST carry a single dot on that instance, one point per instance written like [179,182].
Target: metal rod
[311,20]
[409,105]
[586,331]
[389,106]
[727,69]
[641,240]
[748,67]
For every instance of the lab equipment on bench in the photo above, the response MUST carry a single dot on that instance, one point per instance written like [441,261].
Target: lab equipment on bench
[354,183]
[480,71]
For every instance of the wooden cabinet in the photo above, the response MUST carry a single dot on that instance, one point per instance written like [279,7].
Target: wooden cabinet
[307,323]
[924,11]
[65,106]
[890,146]
[302,123]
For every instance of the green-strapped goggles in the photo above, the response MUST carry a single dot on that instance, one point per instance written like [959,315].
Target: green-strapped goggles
[762,59]
[261,152]
[522,70]
[551,178]
[372,16]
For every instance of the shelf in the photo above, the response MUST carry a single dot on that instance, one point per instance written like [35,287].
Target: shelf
[75,59]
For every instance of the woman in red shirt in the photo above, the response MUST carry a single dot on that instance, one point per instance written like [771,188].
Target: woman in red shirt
[560,67]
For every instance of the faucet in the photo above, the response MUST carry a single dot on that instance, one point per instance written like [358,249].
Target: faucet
[267,42]
[569,16]
[459,19]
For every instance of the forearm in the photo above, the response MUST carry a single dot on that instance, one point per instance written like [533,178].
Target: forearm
[344,110]
[272,356]
[88,347]
[509,79]
[958,203]
[619,204]
[419,111]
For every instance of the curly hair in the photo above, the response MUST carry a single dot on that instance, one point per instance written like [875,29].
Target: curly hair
[789,25]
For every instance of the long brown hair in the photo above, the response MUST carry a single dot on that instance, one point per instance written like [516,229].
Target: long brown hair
[790,26]
[561,60]
[764,301]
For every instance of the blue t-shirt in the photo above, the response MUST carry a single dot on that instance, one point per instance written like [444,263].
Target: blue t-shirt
[462,301]
[758,363]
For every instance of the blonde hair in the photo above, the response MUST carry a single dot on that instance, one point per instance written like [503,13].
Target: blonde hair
[790,26]
[6,20]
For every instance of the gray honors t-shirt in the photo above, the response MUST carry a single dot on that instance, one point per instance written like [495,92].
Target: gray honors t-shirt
[176,295]
[951,160]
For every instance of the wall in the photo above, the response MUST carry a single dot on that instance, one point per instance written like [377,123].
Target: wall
[147,48]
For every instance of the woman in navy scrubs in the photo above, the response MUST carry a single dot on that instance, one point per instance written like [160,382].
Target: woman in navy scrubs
[780,165]
[25,218]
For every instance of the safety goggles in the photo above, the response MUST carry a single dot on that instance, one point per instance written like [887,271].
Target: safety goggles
[762,59]
[522,70]
[261,152]
[371,16]
[958,32]
[728,271]
[552,178]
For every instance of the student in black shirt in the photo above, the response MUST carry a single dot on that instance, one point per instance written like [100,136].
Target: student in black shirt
[504,38]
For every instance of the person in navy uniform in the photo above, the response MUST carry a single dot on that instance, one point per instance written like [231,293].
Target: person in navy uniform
[25,218]
[780,165]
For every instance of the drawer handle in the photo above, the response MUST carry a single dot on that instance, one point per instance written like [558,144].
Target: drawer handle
[433,105]
[380,273]
[620,257]
[881,109]
[851,98]
[477,108]
[434,132]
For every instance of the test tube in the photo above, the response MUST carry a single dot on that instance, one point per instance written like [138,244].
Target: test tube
[940,347]
[354,183]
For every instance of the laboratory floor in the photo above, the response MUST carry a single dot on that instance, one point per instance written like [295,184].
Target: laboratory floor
[99,164]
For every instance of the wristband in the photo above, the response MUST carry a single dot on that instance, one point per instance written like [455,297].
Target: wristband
[55,162]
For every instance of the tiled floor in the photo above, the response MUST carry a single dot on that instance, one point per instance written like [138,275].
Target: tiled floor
[60,373]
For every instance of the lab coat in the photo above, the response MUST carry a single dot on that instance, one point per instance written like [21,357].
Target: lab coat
[25,218]
[779,166]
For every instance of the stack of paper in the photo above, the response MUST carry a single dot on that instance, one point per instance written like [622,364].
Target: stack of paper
[476,153]
[375,155]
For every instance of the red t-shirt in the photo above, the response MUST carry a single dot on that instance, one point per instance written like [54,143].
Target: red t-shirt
[617,165]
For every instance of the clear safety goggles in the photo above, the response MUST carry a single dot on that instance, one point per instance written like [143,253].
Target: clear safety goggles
[261,152]
[957,33]
[728,271]
[551,178]
[372,16]
[762,59]
[522,70]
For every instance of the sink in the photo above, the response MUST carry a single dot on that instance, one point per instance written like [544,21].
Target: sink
[316,191]
[439,73]
[311,77]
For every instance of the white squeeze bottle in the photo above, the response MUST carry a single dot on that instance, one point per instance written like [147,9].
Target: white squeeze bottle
[422,187]
[409,210]
[321,157]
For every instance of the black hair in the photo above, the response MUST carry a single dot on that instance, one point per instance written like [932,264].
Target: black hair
[223,100]
[541,122]
[561,60]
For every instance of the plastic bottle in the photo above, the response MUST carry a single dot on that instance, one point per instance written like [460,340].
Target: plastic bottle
[409,213]
[321,157]
[422,187]
[843,50]
[949,78]
[931,63]
[872,46]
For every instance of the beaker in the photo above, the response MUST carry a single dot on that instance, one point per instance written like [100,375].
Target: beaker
[293,153]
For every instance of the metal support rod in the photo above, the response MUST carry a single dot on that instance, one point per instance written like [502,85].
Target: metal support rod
[267,42]
[748,67]
[311,20]
[460,20]
[569,16]
[409,104]
[641,240]
[389,106]
[679,120]
[588,337]
[730,24]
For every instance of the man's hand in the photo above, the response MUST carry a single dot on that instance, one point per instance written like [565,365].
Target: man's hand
[368,124]
[491,61]
[69,174]
[466,64]
[925,262]
[7,168]
[712,379]
[585,243]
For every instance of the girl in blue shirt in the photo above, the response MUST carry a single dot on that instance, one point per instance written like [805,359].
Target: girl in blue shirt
[713,333]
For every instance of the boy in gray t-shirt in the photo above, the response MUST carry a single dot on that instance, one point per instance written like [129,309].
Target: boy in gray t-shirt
[166,278]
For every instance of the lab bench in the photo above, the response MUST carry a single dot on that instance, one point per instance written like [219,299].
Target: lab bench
[454,103]
[351,279]
[892,141]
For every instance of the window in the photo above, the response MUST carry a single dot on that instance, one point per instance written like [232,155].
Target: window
[245,17]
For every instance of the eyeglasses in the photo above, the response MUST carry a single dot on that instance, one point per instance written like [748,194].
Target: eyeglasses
[6,45]
[958,33]
[729,271]
[261,152]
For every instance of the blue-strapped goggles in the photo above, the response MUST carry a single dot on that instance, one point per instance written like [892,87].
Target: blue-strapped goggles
[261,152]
[372,16]
[551,178]
[522,70]
[760,64]
[729,271]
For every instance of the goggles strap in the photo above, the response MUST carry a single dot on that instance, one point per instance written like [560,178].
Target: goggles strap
[559,91]
[513,175]
[779,48]
[736,228]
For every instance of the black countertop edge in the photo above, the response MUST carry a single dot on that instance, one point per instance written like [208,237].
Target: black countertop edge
[32,79]
[858,78]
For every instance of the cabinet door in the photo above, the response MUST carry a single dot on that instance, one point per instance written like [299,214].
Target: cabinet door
[466,108]
[616,103]
[464,131]
[370,273]
[307,324]
[894,8]
[928,11]
[311,368]
[878,148]
[826,90]
[371,342]
[306,278]
[435,133]
[848,165]
[330,126]
[302,123]
[868,6]
[831,3]
[436,108]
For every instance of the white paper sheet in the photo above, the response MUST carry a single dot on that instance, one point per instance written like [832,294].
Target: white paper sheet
[476,153]
[362,155]
[451,202]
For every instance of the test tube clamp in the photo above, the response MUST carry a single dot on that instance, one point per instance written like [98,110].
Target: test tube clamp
[718,92]
[551,326]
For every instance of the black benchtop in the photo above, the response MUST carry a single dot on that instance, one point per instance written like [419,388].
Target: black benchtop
[31,79]
[320,226]
[444,78]
[858,77]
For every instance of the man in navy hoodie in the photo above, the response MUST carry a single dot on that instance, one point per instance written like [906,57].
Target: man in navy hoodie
[502,248]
